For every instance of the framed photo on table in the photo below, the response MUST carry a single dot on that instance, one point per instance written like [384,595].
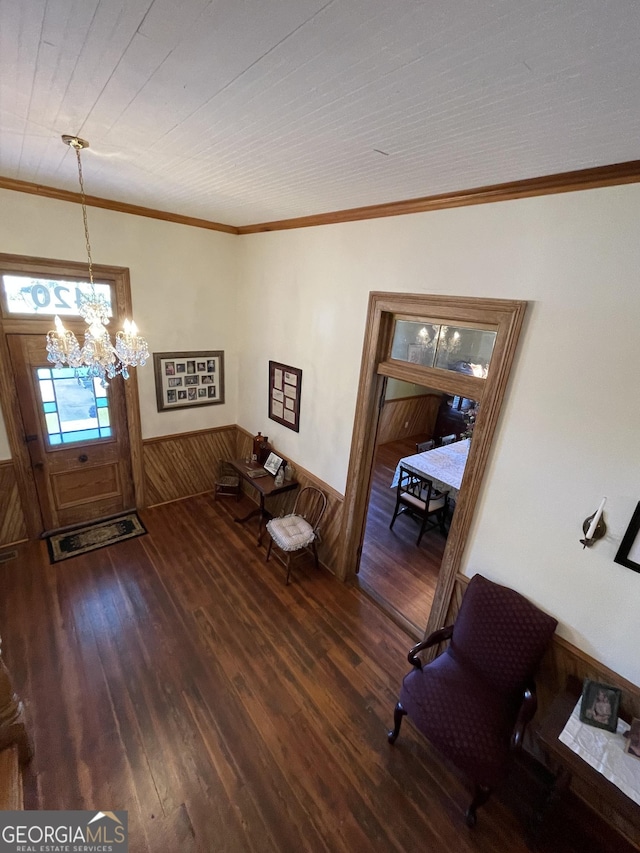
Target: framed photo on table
[629,551]
[188,379]
[285,385]
[600,705]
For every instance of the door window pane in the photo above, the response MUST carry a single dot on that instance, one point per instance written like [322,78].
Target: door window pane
[459,348]
[71,405]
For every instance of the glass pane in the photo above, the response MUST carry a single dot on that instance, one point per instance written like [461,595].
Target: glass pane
[414,342]
[44,373]
[81,435]
[465,350]
[99,391]
[28,295]
[46,391]
[70,406]
[459,348]
[52,423]
[76,404]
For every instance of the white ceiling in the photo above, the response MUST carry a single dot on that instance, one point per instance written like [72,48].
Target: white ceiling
[246,112]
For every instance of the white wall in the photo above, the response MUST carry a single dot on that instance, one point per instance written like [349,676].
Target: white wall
[569,431]
[183,286]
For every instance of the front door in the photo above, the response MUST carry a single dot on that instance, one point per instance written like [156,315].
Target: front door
[77,437]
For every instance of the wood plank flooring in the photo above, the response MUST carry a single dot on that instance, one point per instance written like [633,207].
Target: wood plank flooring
[177,677]
[393,568]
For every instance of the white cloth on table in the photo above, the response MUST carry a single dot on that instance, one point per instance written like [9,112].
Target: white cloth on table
[604,751]
[443,465]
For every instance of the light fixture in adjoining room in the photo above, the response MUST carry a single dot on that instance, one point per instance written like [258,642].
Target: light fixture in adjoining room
[102,358]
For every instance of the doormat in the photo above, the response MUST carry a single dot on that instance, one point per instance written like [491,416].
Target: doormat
[94,536]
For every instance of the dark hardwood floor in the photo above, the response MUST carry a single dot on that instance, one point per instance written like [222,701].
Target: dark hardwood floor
[177,677]
[399,574]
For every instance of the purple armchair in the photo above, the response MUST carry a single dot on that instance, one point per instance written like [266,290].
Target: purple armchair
[474,701]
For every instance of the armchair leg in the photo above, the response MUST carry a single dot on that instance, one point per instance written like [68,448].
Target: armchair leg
[480,797]
[269,550]
[398,713]
[288,568]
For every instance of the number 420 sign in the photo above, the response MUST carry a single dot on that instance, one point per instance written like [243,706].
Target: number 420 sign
[26,295]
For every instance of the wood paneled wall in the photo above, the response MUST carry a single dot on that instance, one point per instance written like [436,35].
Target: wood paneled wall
[185,464]
[12,524]
[408,416]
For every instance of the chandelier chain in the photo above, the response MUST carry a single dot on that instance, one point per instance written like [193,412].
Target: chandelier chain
[84,214]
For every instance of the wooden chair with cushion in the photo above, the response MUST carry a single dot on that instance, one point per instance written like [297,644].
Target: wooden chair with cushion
[417,496]
[299,530]
[474,701]
[227,481]
[423,446]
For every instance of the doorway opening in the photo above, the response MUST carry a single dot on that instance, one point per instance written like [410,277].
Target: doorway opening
[399,567]
[403,337]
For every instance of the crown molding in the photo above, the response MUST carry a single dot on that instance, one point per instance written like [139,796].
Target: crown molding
[108,204]
[562,182]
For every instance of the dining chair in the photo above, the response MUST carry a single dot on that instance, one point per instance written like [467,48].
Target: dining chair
[299,530]
[417,496]
[475,699]
[448,439]
[423,446]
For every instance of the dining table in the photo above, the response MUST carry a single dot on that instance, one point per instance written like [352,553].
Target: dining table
[443,465]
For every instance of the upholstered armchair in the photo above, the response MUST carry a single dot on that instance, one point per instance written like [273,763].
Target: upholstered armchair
[474,701]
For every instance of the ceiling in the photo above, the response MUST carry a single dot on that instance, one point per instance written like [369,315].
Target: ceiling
[248,112]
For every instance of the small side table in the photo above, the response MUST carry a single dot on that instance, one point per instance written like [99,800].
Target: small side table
[566,764]
[266,488]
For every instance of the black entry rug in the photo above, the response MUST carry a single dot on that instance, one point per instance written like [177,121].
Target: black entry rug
[94,536]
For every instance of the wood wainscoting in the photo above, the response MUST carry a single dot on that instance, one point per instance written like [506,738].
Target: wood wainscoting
[184,464]
[408,416]
[13,528]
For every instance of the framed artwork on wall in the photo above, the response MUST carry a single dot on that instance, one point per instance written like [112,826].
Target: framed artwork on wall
[285,385]
[629,551]
[187,379]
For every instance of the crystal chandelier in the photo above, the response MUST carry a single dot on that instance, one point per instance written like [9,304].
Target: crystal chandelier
[102,358]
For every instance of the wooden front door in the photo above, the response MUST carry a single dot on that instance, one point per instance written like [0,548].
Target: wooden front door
[77,438]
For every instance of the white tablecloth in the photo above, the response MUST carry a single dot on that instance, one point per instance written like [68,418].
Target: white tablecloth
[605,752]
[444,465]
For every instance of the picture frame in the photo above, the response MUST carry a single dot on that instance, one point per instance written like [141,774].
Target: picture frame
[285,387]
[273,463]
[185,380]
[600,705]
[629,551]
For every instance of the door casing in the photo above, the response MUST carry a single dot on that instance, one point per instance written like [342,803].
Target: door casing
[118,277]
[506,317]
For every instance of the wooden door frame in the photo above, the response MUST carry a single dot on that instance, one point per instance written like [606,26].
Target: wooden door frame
[34,325]
[506,317]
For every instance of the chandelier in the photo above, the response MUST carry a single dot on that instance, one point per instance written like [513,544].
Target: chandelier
[102,358]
